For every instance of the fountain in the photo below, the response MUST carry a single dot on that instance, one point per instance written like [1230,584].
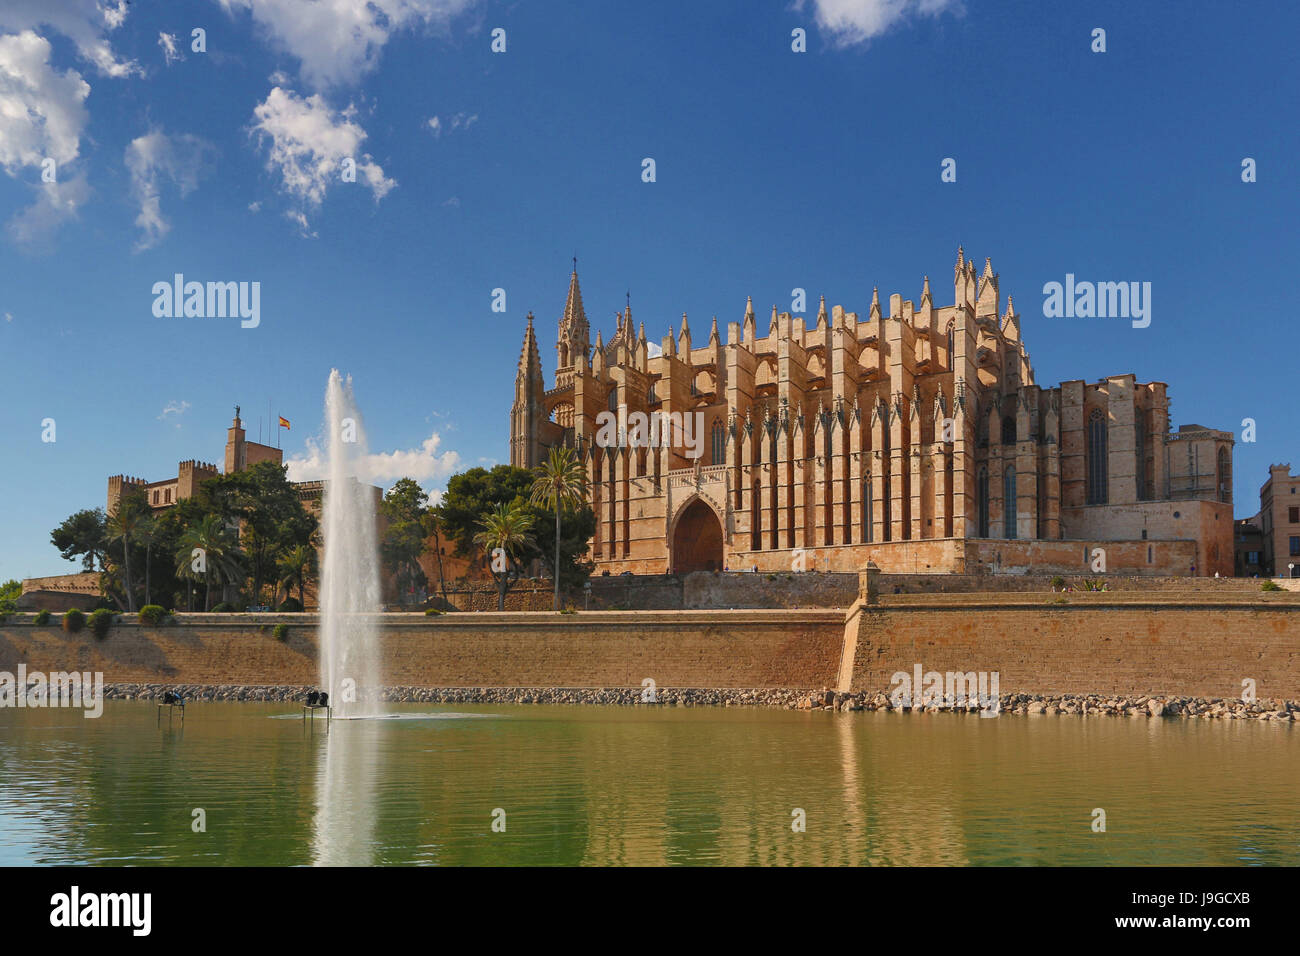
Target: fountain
[349,592]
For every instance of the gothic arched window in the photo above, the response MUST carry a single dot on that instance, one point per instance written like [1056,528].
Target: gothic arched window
[613,399]
[1224,475]
[952,348]
[866,509]
[1009,502]
[719,443]
[982,497]
[1140,427]
[1097,463]
[1009,430]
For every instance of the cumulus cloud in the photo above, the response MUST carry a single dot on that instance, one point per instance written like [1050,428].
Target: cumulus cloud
[849,22]
[156,158]
[42,118]
[339,41]
[42,111]
[426,463]
[309,143]
[87,23]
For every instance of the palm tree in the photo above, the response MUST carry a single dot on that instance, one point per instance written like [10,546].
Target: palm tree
[561,483]
[220,553]
[125,526]
[146,533]
[297,566]
[505,533]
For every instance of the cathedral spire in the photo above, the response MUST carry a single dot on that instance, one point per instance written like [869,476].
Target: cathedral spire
[713,333]
[573,340]
[772,328]
[821,314]
[875,304]
[749,325]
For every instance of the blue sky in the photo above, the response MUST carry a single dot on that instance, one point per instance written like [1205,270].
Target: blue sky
[775,170]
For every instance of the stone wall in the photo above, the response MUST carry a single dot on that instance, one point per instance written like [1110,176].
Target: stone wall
[1188,644]
[736,649]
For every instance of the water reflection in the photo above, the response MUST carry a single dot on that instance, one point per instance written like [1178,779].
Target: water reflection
[349,762]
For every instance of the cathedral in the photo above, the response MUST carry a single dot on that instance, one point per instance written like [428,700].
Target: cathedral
[915,438]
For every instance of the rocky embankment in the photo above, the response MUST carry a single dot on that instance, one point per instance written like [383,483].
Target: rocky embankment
[1090,705]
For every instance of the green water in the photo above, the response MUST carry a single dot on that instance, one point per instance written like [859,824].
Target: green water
[645,786]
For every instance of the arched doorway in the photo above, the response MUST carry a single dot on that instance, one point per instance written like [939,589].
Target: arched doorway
[697,540]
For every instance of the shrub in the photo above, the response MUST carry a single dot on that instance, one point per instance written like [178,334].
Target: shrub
[153,614]
[1057,582]
[42,618]
[1270,585]
[281,632]
[290,605]
[100,622]
[568,610]
[73,621]
[224,608]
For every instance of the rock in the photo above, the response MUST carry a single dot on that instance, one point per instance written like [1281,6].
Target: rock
[1037,707]
[1156,708]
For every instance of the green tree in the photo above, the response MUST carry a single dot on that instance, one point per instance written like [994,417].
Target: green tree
[271,516]
[504,533]
[147,533]
[124,526]
[9,594]
[473,494]
[83,535]
[297,567]
[560,485]
[219,551]
[406,508]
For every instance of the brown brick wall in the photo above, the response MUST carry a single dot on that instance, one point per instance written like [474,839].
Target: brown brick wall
[1203,648]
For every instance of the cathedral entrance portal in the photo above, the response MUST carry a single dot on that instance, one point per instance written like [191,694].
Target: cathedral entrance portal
[697,540]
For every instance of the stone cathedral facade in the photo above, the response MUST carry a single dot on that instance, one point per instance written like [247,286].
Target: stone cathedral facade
[915,437]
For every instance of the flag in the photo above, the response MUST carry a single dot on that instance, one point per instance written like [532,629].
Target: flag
[284,422]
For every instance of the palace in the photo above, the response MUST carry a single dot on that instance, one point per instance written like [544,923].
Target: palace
[916,438]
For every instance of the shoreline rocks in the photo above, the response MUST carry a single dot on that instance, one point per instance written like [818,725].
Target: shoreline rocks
[1089,705]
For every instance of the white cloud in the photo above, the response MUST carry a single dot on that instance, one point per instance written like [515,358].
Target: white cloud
[850,22]
[154,157]
[309,142]
[339,41]
[55,204]
[653,351]
[9,316]
[174,408]
[168,43]
[42,118]
[42,111]
[452,123]
[86,23]
[425,464]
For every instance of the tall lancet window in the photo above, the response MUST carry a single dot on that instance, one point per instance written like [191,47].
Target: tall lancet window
[1141,427]
[982,497]
[719,443]
[1224,469]
[1097,460]
[866,509]
[1009,502]
[952,348]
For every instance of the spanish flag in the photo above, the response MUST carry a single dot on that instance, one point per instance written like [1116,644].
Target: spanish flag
[284,422]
